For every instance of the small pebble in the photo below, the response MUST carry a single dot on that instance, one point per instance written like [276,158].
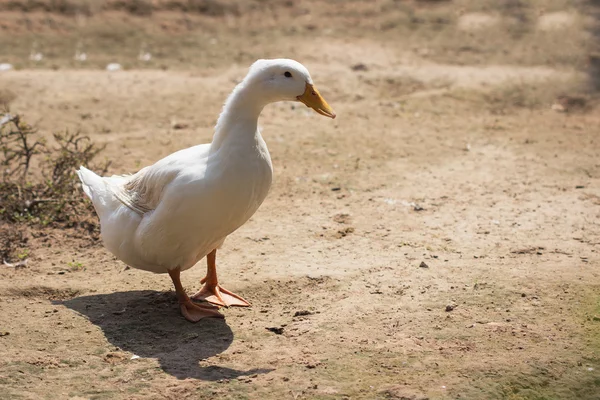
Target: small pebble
[276,330]
[302,313]
[359,67]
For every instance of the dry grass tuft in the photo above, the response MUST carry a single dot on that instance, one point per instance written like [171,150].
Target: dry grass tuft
[49,194]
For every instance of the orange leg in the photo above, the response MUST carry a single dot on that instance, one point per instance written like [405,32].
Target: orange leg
[192,312]
[212,291]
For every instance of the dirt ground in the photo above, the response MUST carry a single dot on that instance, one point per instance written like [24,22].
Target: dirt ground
[439,239]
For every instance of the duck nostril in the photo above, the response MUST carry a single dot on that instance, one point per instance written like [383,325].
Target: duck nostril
[314,93]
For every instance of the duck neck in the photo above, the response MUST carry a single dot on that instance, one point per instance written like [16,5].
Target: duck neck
[238,121]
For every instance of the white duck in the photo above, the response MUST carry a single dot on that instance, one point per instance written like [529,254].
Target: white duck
[170,215]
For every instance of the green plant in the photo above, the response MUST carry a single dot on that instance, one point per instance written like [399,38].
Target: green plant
[75,266]
[22,255]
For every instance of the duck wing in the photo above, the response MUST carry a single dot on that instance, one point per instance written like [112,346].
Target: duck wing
[143,191]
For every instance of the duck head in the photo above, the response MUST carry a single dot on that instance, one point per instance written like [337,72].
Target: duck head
[286,80]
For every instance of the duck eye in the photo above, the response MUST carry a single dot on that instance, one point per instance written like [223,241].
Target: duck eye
[287,74]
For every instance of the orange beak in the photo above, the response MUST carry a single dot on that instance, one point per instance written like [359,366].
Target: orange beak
[312,98]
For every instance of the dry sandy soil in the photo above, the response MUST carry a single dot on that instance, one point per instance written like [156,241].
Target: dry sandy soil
[439,239]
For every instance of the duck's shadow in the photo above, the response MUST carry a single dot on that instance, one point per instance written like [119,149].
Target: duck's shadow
[148,324]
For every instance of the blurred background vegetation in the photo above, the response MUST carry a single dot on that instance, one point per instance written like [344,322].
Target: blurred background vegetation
[201,33]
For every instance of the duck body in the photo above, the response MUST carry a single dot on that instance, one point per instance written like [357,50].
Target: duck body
[168,216]
[207,195]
